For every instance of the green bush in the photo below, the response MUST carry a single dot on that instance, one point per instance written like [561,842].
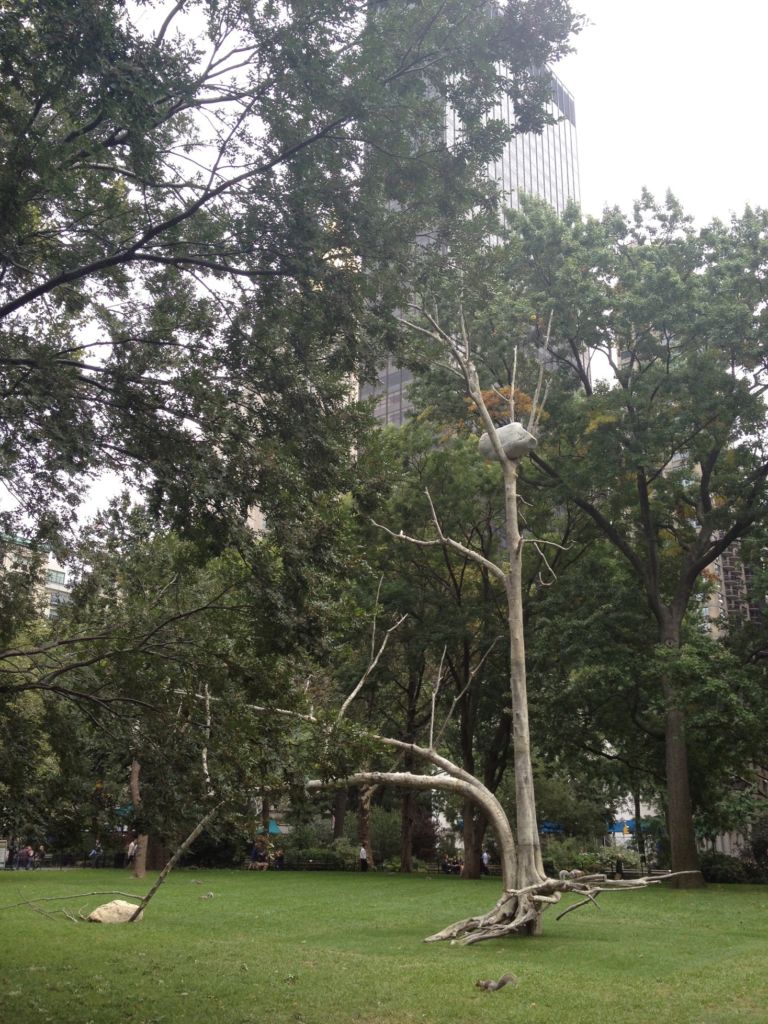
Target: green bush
[321,855]
[385,833]
[569,853]
[719,867]
[346,852]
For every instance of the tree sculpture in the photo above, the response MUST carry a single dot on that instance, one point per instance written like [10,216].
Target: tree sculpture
[527,889]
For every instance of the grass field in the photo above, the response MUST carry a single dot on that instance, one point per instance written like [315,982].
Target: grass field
[323,948]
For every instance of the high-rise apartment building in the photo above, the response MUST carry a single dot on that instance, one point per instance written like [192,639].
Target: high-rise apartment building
[544,165]
[52,590]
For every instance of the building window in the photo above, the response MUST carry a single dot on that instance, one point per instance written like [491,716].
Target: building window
[54,576]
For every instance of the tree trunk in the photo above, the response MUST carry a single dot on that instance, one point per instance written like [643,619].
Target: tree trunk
[473,841]
[407,819]
[408,800]
[364,822]
[639,836]
[265,816]
[142,839]
[530,867]
[340,798]
[682,838]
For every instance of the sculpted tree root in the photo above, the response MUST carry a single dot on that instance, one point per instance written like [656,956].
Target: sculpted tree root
[519,911]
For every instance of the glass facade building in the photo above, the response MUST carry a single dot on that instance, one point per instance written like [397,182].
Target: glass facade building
[544,165]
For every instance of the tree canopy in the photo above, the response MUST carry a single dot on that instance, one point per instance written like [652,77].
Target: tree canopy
[187,194]
[654,337]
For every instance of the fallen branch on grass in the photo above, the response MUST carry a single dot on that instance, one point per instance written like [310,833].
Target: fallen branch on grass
[72,896]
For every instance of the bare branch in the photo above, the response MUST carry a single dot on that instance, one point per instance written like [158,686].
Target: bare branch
[458,697]
[532,419]
[206,772]
[513,385]
[375,613]
[435,691]
[370,668]
[70,896]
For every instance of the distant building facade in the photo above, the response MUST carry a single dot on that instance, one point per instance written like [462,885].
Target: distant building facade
[52,588]
[544,165]
[730,596]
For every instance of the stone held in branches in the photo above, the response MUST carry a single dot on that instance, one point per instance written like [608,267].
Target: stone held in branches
[515,440]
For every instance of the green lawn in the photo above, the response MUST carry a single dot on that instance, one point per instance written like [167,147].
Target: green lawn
[339,948]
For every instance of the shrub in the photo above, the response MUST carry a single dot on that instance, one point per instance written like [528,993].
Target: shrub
[719,867]
[569,853]
[320,855]
[385,833]
[346,852]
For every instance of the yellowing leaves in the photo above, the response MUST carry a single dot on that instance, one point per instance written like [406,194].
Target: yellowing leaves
[600,419]
[497,403]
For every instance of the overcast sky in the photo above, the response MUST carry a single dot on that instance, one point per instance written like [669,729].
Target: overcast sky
[671,94]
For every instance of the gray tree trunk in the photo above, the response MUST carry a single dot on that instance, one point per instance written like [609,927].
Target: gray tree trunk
[340,798]
[682,838]
[364,821]
[407,820]
[142,840]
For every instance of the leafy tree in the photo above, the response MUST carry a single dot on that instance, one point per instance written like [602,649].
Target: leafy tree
[599,710]
[183,220]
[160,652]
[669,459]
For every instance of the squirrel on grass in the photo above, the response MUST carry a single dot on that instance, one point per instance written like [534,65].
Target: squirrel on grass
[493,986]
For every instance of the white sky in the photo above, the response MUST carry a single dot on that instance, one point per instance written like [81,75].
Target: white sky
[671,94]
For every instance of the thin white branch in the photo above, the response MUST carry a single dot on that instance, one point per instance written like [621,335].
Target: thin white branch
[532,419]
[537,421]
[464,333]
[512,386]
[206,772]
[458,697]
[418,327]
[435,691]
[260,708]
[499,394]
[456,546]
[375,613]
[370,668]
[552,543]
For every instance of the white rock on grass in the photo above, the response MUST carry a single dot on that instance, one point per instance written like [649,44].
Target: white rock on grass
[116,912]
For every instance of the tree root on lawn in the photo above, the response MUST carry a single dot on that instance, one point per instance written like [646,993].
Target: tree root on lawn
[518,911]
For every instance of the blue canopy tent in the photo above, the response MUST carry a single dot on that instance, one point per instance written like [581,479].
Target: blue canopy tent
[550,828]
[273,829]
[627,826]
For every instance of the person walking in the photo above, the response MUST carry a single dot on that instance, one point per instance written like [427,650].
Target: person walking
[485,860]
[363,858]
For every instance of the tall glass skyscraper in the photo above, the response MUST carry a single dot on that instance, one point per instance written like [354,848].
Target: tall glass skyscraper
[544,165]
